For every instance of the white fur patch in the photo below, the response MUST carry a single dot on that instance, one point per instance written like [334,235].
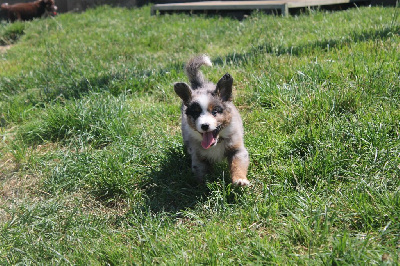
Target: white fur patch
[242,182]
[204,101]
[205,117]
[207,60]
[215,153]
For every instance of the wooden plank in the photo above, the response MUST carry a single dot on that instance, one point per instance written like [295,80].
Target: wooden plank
[221,5]
[282,5]
[308,3]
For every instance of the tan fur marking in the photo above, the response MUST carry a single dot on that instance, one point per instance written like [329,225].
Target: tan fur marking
[223,119]
[191,122]
[238,169]
[227,117]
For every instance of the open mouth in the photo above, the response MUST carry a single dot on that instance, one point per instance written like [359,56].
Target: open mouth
[209,138]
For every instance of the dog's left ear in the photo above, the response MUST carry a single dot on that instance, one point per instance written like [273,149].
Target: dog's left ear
[224,87]
[183,90]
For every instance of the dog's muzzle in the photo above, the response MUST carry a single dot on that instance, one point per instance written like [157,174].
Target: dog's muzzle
[210,138]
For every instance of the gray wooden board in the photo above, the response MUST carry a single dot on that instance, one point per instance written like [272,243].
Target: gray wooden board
[282,5]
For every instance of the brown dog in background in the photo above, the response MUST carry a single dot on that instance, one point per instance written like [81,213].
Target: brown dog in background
[28,11]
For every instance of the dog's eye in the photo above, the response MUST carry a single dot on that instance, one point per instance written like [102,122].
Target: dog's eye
[216,110]
[194,110]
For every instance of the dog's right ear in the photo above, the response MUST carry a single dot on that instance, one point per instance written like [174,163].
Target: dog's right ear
[224,87]
[183,90]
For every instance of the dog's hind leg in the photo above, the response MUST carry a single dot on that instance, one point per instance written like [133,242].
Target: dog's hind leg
[239,163]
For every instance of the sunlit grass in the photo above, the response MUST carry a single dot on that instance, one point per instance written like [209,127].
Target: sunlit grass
[92,165]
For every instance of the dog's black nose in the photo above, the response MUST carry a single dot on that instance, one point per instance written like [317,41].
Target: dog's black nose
[205,127]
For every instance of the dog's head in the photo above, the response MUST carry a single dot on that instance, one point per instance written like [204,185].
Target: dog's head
[207,110]
[49,5]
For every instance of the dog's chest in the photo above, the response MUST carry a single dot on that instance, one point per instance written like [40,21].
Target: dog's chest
[215,153]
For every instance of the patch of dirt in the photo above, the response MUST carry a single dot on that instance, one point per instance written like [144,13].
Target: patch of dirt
[4,48]
[16,185]
[19,186]
[88,205]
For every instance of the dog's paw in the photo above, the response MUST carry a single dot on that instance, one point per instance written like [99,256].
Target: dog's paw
[241,182]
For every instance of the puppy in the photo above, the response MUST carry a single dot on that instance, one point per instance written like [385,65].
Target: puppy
[28,11]
[212,129]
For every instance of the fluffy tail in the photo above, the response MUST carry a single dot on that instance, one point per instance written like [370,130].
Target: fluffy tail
[4,6]
[195,76]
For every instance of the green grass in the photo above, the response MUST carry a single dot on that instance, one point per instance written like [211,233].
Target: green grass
[92,165]
[11,33]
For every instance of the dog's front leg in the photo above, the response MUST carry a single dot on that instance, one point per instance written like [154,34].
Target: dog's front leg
[18,16]
[199,168]
[239,163]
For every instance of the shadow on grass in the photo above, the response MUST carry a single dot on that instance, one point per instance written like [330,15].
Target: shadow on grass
[130,80]
[11,32]
[307,48]
[172,187]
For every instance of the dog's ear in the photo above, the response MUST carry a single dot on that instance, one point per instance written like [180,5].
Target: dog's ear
[224,87]
[183,90]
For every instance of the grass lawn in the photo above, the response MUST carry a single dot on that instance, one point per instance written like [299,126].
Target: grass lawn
[93,168]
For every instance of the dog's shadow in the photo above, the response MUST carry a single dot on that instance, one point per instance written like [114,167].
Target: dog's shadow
[172,188]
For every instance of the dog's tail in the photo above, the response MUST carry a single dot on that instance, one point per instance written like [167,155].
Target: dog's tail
[195,76]
[4,6]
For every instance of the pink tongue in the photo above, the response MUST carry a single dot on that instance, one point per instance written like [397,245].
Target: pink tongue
[208,140]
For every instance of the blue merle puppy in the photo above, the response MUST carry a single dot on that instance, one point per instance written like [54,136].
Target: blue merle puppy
[212,129]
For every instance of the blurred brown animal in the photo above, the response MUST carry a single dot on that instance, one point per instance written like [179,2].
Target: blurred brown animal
[28,11]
